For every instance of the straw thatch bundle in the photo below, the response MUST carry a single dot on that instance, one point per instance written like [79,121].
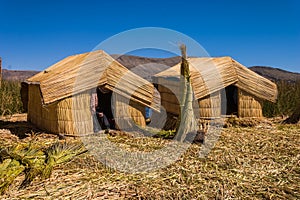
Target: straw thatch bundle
[34,160]
[9,170]
[186,123]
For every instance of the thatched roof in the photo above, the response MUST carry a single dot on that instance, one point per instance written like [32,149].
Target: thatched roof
[79,73]
[209,75]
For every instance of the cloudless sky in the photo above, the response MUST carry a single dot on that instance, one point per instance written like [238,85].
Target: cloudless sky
[35,34]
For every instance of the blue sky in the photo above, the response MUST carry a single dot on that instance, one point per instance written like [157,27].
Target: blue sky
[35,34]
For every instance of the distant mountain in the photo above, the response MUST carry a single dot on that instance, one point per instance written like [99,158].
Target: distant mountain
[17,75]
[146,67]
[276,74]
[130,61]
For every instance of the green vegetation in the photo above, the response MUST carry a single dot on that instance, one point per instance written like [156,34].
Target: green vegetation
[287,102]
[10,97]
[166,134]
[35,160]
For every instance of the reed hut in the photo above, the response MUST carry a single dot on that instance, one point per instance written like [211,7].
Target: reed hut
[58,98]
[221,87]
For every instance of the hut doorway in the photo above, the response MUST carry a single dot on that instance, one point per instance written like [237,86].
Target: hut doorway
[104,105]
[230,100]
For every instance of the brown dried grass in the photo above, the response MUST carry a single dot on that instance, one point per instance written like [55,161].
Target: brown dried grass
[260,162]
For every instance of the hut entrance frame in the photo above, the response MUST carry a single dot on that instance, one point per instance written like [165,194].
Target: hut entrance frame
[104,97]
[229,100]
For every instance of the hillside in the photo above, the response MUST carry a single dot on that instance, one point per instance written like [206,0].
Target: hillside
[130,61]
[17,75]
[146,67]
[276,74]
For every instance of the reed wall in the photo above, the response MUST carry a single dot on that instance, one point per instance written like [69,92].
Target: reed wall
[248,105]
[210,106]
[128,113]
[70,116]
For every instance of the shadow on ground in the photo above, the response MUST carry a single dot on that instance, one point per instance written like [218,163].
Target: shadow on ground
[21,129]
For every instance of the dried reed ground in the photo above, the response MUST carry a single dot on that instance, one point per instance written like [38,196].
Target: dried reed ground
[247,163]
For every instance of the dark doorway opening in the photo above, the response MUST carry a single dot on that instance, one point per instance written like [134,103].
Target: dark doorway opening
[230,100]
[104,106]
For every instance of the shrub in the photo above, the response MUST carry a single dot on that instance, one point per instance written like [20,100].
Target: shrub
[10,98]
[288,99]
